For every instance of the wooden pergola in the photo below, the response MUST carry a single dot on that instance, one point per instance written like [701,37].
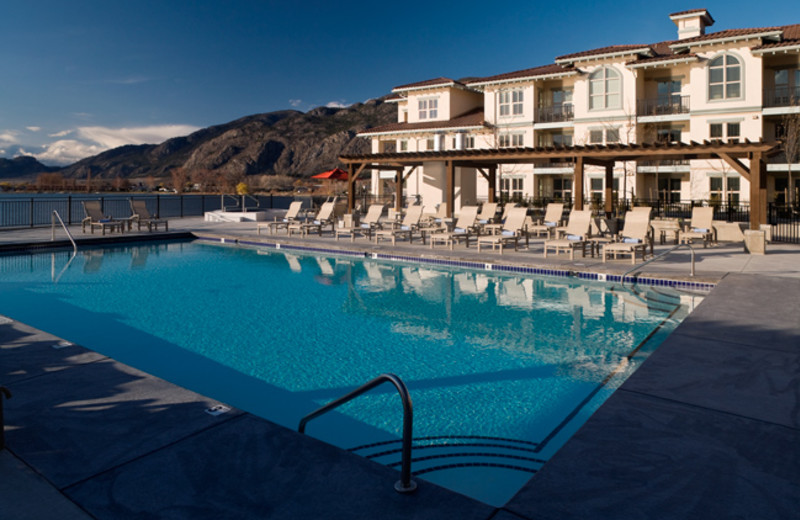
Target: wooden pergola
[486,162]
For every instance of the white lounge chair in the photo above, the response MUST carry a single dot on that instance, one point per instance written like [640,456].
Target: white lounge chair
[513,230]
[635,237]
[290,217]
[701,226]
[575,235]
[463,229]
[551,220]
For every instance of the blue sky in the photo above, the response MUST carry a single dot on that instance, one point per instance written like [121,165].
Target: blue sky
[80,77]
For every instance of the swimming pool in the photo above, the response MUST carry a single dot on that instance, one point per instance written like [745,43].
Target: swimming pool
[501,369]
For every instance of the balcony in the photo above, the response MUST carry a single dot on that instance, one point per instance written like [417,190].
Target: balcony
[555,114]
[662,106]
[782,97]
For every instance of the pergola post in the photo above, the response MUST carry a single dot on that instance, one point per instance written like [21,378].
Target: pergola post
[398,180]
[450,186]
[609,193]
[577,183]
[758,191]
[492,183]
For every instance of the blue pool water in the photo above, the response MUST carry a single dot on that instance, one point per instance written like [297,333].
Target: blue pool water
[502,370]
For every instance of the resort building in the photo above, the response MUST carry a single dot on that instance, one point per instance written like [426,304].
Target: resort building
[734,85]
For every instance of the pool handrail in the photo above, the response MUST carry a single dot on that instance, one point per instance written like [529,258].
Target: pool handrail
[66,230]
[405,484]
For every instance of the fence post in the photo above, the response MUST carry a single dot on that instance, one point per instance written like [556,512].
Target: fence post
[158,204]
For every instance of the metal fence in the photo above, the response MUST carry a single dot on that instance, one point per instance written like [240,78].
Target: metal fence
[785,222]
[18,211]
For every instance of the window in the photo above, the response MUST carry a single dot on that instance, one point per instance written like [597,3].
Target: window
[512,187]
[561,96]
[724,78]
[724,190]
[669,189]
[562,188]
[429,144]
[596,190]
[428,108]
[668,135]
[510,102]
[604,89]
[404,145]
[729,132]
[669,92]
[469,141]
[611,136]
[516,140]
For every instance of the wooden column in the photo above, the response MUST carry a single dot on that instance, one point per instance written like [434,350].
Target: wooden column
[609,203]
[492,183]
[398,203]
[450,185]
[577,184]
[758,191]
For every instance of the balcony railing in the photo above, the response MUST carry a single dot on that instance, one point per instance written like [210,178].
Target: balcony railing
[662,106]
[782,97]
[555,114]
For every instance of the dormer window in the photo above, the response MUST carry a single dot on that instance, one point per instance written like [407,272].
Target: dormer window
[428,108]
[724,77]
[605,88]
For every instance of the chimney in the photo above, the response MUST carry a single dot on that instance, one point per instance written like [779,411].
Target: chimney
[692,23]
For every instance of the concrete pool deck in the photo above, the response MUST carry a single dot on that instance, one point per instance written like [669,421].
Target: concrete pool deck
[708,427]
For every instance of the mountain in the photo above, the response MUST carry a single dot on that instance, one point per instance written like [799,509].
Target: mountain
[22,166]
[286,143]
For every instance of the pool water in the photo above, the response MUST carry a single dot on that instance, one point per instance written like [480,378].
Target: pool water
[502,369]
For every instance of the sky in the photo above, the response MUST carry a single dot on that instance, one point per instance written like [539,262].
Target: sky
[80,77]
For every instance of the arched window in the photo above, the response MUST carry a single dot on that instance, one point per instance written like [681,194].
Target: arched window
[724,77]
[605,88]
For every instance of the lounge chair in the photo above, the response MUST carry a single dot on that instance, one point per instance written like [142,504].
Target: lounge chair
[513,230]
[407,227]
[366,227]
[635,237]
[464,228]
[487,214]
[325,217]
[96,218]
[576,235]
[498,226]
[290,217]
[700,227]
[141,215]
[551,220]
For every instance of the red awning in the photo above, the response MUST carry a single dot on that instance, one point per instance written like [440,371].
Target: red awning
[335,174]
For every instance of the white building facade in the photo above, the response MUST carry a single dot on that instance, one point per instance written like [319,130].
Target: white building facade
[737,84]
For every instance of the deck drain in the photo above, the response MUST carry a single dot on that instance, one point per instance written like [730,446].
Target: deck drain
[218,410]
[62,344]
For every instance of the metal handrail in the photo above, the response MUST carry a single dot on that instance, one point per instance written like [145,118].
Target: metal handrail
[4,392]
[665,253]
[66,230]
[405,484]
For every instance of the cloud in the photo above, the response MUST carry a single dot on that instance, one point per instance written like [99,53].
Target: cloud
[34,128]
[9,137]
[92,140]
[295,102]
[336,104]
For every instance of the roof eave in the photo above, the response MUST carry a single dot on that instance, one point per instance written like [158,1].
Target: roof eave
[661,63]
[680,46]
[421,130]
[778,50]
[647,51]
[521,79]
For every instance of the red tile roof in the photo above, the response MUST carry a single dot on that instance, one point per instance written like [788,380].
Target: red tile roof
[471,118]
[602,50]
[427,83]
[544,70]
[729,33]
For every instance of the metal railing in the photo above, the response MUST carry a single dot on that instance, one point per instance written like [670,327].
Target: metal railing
[405,484]
[782,97]
[662,106]
[55,217]
[662,255]
[555,114]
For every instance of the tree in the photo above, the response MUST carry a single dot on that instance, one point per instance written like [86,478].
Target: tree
[790,142]
[179,178]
